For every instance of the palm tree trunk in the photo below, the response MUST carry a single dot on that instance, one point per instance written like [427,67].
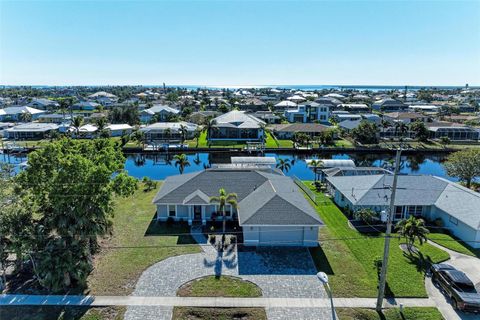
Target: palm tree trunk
[224,223]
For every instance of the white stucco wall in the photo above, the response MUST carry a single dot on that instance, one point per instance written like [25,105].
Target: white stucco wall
[280,236]
[459,229]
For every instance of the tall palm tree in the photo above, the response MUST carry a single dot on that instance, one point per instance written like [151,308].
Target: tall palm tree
[181,161]
[167,133]
[183,132]
[284,164]
[197,135]
[411,229]
[315,164]
[222,200]
[77,123]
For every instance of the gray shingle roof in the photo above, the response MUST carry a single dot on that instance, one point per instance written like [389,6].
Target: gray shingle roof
[264,197]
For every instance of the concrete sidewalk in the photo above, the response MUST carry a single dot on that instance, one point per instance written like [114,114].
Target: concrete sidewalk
[101,301]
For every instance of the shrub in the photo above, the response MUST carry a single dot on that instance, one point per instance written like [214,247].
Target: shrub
[170,220]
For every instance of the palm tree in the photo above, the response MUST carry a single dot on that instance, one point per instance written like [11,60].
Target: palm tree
[77,123]
[181,161]
[196,134]
[222,200]
[315,164]
[284,164]
[139,137]
[167,133]
[183,132]
[411,229]
[26,117]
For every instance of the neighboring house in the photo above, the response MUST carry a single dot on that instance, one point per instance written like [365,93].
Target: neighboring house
[252,104]
[424,108]
[54,118]
[117,130]
[405,117]
[159,111]
[349,125]
[168,131]
[267,117]
[237,125]
[287,131]
[419,195]
[85,106]
[389,105]
[308,112]
[87,131]
[339,117]
[30,131]
[438,131]
[200,117]
[352,171]
[104,98]
[43,104]
[355,107]
[285,104]
[271,211]
[14,113]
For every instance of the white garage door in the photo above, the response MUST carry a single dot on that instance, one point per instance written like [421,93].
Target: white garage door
[281,236]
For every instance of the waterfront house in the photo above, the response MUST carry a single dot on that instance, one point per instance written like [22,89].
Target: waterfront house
[85,106]
[405,117]
[453,132]
[308,112]
[287,131]
[271,211]
[158,112]
[30,131]
[168,131]
[237,126]
[14,113]
[117,130]
[54,118]
[430,197]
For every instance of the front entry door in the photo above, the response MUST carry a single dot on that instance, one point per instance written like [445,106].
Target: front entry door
[197,212]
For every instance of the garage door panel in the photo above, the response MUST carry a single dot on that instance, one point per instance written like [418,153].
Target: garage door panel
[281,236]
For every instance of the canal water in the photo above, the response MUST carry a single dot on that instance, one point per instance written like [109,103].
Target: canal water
[160,166]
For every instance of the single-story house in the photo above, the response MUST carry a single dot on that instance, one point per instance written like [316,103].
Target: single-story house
[287,131]
[458,133]
[161,112]
[30,131]
[104,98]
[200,117]
[271,211]
[355,107]
[389,105]
[238,126]
[267,117]
[117,130]
[252,104]
[85,105]
[14,113]
[285,104]
[430,197]
[405,117]
[43,104]
[168,131]
[54,118]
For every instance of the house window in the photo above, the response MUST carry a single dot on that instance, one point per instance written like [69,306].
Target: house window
[415,211]
[171,210]
[342,197]
[398,212]
[453,220]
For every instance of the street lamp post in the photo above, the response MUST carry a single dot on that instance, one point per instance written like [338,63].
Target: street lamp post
[323,277]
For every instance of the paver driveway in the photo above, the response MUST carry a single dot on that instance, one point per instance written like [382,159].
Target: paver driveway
[279,272]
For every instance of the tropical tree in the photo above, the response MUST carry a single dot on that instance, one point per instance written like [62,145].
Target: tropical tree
[139,137]
[420,130]
[196,135]
[366,132]
[464,164]
[167,133]
[181,161]
[284,164]
[366,215]
[222,200]
[77,122]
[445,141]
[26,117]
[412,229]
[183,132]
[315,164]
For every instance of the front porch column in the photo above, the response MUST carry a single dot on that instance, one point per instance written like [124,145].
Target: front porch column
[190,211]
[204,220]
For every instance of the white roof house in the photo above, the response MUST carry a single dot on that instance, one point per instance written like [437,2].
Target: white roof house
[238,119]
[296,98]
[102,94]
[286,104]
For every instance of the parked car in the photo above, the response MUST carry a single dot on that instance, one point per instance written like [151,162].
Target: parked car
[457,286]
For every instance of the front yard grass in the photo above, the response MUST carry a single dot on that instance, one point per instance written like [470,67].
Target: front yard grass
[349,256]
[223,286]
[136,244]
[389,314]
[453,243]
[191,313]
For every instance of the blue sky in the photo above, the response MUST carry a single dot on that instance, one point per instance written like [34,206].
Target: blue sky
[239,42]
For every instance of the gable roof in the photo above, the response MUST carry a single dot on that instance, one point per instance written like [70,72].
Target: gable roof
[238,119]
[422,190]
[264,197]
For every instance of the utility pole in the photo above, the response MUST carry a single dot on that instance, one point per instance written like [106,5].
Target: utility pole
[386,249]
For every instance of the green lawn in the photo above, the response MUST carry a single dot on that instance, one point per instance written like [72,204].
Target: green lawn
[190,313]
[453,243]
[60,313]
[223,286]
[137,244]
[343,143]
[350,262]
[389,314]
